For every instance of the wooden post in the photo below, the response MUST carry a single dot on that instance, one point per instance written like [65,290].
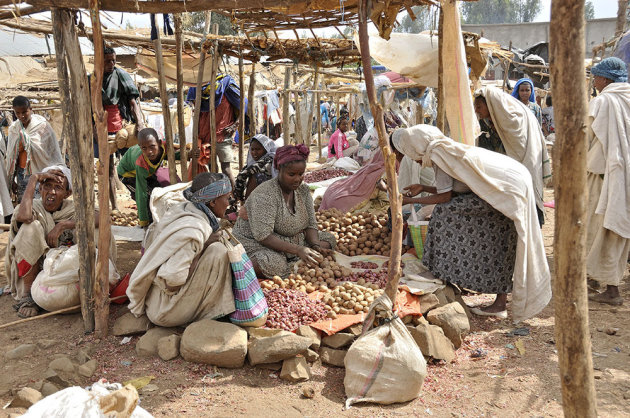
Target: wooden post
[241,114]
[250,97]
[181,128]
[286,99]
[393,271]
[319,125]
[299,138]
[197,114]
[166,111]
[101,284]
[213,115]
[441,109]
[310,97]
[570,292]
[621,17]
[76,109]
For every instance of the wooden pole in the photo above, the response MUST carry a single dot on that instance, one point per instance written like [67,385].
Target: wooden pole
[250,98]
[181,128]
[310,109]
[166,111]
[241,114]
[441,109]
[197,114]
[319,125]
[621,17]
[213,115]
[76,109]
[393,270]
[286,99]
[101,284]
[298,119]
[570,292]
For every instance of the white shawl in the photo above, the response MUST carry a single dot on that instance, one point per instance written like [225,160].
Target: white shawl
[609,114]
[521,136]
[506,186]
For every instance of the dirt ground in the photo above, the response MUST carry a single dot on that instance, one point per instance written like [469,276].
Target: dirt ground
[504,382]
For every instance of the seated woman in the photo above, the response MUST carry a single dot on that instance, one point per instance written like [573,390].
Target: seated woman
[278,226]
[259,167]
[483,233]
[185,274]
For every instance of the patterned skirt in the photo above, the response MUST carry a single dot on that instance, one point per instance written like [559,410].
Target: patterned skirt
[471,244]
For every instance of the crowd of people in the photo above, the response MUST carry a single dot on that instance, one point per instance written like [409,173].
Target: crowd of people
[484,231]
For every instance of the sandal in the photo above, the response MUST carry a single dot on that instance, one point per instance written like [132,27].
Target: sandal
[601,298]
[26,302]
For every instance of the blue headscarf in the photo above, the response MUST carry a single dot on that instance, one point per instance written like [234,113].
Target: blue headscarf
[613,69]
[208,194]
[532,97]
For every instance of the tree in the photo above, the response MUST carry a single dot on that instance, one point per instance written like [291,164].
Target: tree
[500,11]
[589,10]
[195,22]
[422,22]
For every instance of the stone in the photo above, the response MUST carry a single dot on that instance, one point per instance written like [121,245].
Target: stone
[295,369]
[62,364]
[407,319]
[20,351]
[83,355]
[128,324]
[212,342]
[168,347]
[455,295]
[355,329]
[428,302]
[332,356]
[432,342]
[88,369]
[60,381]
[150,388]
[270,366]
[441,297]
[262,332]
[48,389]
[25,398]
[46,344]
[281,346]
[453,321]
[311,356]
[338,340]
[147,344]
[312,333]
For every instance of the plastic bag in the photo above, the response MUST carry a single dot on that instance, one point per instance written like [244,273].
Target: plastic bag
[418,230]
[384,365]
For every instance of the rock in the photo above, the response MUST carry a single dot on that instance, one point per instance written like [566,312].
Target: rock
[407,319]
[48,389]
[25,398]
[312,333]
[88,369]
[311,356]
[455,295]
[428,302]
[60,381]
[295,369]
[20,351]
[441,296]
[355,329]
[168,347]
[338,340]
[62,364]
[83,356]
[46,344]
[332,356]
[270,366]
[453,321]
[128,324]
[308,392]
[281,346]
[212,342]
[147,344]
[262,332]
[432,342]
[150,388]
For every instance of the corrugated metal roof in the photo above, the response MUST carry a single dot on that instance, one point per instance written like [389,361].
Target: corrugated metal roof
[26,44]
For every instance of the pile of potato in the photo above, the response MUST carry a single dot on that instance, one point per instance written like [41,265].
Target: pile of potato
[350,299]
[363,233]
[123,219]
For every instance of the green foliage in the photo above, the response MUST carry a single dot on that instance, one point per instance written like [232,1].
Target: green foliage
[500,11]
[195,22]
[422,22]
[589,10]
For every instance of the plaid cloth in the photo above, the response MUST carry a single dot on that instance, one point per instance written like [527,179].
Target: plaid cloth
[119,89]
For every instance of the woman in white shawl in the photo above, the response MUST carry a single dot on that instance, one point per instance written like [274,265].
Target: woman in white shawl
[31,148]
[492,194]
[259,167]
[520,135]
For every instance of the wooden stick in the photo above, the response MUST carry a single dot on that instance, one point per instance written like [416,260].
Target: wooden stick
[393,271]
[299,139]
[166,110]
[309,122]
[197,114]
[573,338]
[441,109]
[181,128]
[213,115]
[250,99]
[77,110]
[101,284]
[319,125]
[286,99]
[241,114]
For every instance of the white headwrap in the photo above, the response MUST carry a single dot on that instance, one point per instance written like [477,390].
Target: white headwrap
[65,170]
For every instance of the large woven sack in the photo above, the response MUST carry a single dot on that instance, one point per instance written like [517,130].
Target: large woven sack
[384,365]
[57,285]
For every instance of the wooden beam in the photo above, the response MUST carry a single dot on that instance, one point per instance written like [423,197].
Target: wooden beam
[166,110]
[21,11]
[309,122]
[212,103]
[241,114]
[573,337]
[441,108]
[250,99]
[393,270]
[286,99]
[76,109]
[181,128]
[197,114]
[319,125]
[298,137]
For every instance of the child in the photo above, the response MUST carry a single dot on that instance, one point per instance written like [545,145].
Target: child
[338,146]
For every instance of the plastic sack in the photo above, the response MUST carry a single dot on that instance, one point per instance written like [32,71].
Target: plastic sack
[418,230]
[348,164]
[57,285]
[384,365]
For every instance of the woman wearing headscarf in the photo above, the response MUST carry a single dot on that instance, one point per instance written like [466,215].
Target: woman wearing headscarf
[278,226]
[524,92]
[520,136]
[608,166]
[184,274]
[483,234]
[259,167]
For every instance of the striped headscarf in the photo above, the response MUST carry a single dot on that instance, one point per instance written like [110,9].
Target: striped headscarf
[207,194]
